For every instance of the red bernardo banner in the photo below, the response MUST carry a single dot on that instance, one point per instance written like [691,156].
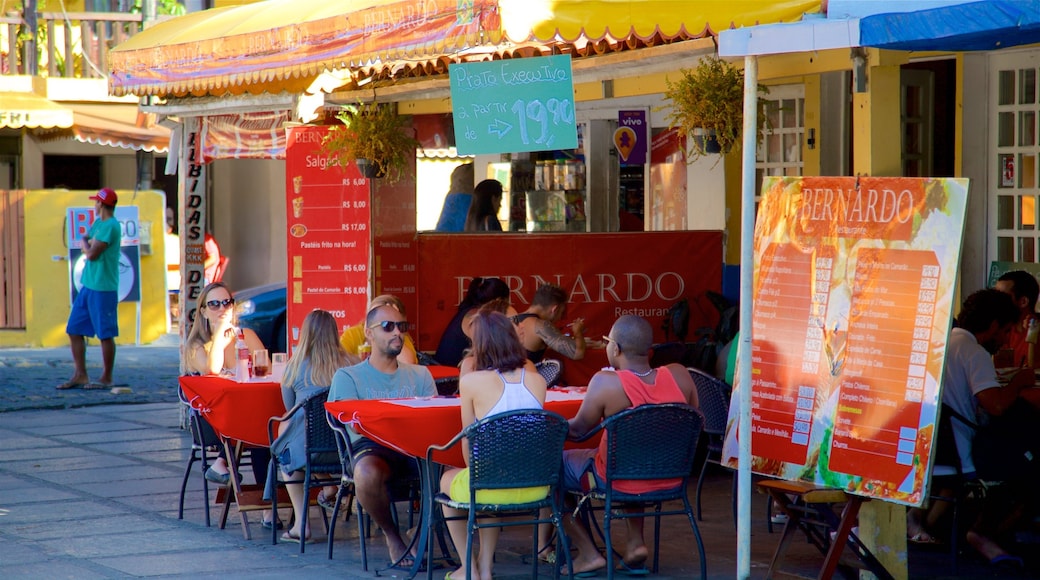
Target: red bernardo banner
[328,217]
[853,292]
[606,274]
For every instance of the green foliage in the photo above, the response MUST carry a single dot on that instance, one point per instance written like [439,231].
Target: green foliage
[710,98]
[374,132]
[162,8]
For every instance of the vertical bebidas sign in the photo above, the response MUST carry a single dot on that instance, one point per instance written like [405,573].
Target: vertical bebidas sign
[853,296]
[192,185]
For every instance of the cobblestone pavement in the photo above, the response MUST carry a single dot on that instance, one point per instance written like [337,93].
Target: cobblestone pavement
[28,376]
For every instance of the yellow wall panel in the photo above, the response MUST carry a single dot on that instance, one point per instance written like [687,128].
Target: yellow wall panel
[47,296]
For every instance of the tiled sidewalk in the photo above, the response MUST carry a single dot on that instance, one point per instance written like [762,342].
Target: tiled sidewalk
[92,493]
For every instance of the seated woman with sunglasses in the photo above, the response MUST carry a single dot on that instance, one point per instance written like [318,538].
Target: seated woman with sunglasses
[354,336]
[211,350]
[211,342]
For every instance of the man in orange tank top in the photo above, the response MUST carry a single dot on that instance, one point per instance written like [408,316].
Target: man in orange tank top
[631,383]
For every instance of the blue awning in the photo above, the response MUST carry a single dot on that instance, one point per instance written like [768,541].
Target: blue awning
[986,25]
[957,27]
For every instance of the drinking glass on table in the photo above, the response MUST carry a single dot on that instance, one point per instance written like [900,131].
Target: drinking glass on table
[261,363]
[278,362]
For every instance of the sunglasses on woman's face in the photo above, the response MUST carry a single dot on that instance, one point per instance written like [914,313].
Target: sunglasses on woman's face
[388,325]
[218,304]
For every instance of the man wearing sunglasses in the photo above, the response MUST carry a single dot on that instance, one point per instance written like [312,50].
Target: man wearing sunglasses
[94,312]
[382,376]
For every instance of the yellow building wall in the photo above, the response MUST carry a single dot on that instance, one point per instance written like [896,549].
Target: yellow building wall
[47,298]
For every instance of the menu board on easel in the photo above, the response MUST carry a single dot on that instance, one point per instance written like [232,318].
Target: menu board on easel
[853,296]
[328,219]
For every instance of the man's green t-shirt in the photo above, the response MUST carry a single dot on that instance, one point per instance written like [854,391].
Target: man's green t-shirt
[102,273]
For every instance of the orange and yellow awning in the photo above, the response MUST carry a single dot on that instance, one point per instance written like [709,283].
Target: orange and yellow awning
[281,45]
[120,126]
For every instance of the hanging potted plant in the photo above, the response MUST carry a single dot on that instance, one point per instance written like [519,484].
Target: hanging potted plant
[708,108]
[376,138]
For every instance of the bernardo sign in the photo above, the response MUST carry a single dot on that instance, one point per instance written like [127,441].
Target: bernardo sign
[521,104]
[853,292]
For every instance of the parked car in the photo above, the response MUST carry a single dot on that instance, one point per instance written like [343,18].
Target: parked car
[262,308]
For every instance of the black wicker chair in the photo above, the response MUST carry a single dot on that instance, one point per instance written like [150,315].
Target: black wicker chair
[322,456]
[643,443]
[202,437]
[550,369]
[713,397]
[500,457]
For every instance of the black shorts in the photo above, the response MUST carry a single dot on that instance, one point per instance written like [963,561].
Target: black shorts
[401,466]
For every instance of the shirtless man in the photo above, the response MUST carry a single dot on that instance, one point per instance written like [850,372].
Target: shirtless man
[537,326]
[633,383]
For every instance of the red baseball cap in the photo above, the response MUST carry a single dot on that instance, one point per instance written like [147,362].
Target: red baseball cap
[106,196]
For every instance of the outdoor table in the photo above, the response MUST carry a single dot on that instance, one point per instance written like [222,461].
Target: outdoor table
[238,412]
[393,422]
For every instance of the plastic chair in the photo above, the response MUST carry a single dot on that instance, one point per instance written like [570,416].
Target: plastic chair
[643,443]
[401,491]
[202,437]
[550,370]
[500,457]
[714,403]
[321,451]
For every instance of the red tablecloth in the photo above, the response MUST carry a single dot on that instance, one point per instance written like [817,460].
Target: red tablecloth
[411,430]
[235,410]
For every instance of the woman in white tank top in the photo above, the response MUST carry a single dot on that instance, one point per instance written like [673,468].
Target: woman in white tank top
[500,382]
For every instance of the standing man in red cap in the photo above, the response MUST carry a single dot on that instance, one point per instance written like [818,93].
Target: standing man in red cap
[94,313]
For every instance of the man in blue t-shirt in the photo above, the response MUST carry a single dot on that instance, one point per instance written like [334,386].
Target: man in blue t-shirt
[381,376]
[94,312]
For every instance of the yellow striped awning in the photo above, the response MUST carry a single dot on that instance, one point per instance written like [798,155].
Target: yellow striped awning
[32,111]
[282,45]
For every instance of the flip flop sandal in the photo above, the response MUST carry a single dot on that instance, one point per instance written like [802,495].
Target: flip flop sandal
[70,385]
[289,537]
[635,569]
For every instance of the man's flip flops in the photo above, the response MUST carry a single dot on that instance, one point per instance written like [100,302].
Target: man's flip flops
[99,386]
[70,385]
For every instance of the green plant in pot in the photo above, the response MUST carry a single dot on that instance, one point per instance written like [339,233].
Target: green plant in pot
[374,136]
[708,107]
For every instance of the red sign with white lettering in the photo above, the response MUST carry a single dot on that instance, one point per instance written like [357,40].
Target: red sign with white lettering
[328,220]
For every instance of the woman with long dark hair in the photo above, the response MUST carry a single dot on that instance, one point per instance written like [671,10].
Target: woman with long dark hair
[454,341]
[501,383]
[483,212]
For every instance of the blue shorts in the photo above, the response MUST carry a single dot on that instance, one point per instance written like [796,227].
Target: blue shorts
[578,466]
[94,313]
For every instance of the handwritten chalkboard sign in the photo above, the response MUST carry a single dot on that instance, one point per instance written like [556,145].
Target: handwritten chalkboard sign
[520,104]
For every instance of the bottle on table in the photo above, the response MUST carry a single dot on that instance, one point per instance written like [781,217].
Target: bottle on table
[243,368]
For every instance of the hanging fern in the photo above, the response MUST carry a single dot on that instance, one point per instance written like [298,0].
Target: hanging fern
[710,100]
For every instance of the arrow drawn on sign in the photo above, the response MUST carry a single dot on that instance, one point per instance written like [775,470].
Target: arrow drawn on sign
[499,128]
